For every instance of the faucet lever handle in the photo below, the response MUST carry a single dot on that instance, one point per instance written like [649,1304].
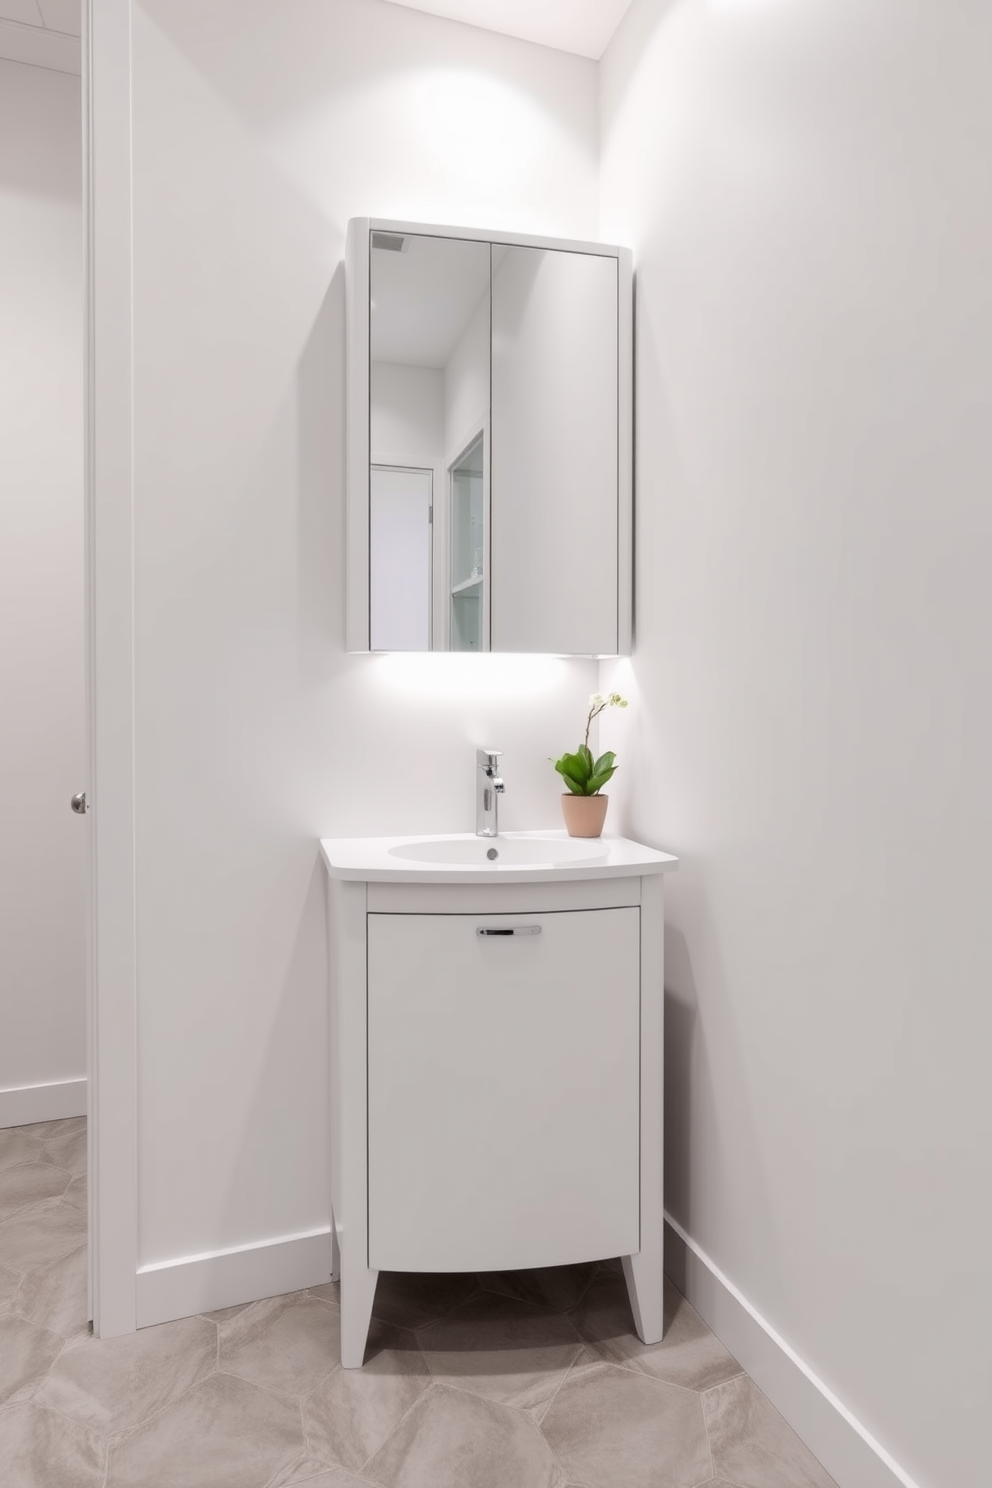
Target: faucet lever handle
[486,760]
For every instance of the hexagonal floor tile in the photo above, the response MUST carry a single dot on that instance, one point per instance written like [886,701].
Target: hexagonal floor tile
[285,1343]
[41,1233]
[687,1355]
[27,1352]
[329,1291]
[608,1425]
[17,1146]
[451,1437]
[350,1413]
[41,1447]
[411,1299]
[68,1151]
[306,1469]
[557,1287]
[112,1384]
[76,1193]
[54,1295]
[503,1349]
[29,1183]
[334,1477]
[9,1282]
[752,1445]
[224,1432]
[63,1127]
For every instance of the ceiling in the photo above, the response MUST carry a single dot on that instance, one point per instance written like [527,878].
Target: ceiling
[45,33]
[582,26]
[423,297]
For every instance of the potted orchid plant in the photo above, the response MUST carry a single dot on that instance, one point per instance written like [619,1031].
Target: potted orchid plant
[583,806]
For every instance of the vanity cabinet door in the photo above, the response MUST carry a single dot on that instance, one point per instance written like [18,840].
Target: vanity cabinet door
[503,1089]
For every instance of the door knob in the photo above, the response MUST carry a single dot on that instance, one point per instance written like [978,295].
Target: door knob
[78,803]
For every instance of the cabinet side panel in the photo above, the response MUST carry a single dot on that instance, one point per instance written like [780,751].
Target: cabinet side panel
[645,1271]
[503,1089]
[346,932]
[357,339]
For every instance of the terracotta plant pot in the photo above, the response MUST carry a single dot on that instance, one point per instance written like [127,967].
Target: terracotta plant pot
[584,815]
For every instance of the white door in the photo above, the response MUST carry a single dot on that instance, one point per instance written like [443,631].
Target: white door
[503,1089]
[400,558]
[42,847]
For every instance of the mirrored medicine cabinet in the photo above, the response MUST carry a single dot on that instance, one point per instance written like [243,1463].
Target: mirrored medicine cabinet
[489,442]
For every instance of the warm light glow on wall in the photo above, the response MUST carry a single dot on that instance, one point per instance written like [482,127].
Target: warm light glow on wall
[446,674]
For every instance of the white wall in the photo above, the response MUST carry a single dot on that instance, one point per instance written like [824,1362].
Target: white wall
[42,763]
[467,392]
[805,189]
[258,132]
[406,414]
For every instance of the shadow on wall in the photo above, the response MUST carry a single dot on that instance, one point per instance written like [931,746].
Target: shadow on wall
[681,1018]
[321,489]
[692,1080]
[298,1018]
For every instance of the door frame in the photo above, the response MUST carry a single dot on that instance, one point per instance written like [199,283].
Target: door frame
[109,649]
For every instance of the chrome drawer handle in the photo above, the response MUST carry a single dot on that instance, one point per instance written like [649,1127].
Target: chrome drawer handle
[515,930]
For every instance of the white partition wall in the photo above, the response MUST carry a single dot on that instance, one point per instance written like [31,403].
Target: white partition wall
[254,732]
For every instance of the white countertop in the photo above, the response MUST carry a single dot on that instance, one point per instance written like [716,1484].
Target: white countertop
[566,859]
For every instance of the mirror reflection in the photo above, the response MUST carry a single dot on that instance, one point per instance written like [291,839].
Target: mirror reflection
[429,398]
[489,442]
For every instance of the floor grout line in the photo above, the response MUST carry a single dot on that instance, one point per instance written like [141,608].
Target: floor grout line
[432,1385]
[706,1436]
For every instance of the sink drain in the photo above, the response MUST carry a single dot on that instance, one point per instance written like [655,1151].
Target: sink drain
[492,854]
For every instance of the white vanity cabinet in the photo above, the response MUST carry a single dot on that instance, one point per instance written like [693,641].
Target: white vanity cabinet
[496,1062]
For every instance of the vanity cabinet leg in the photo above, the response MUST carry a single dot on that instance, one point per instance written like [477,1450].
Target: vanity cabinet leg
[645,1277]
[357,1296]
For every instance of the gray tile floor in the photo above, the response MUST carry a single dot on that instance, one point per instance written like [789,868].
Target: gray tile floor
[511,1380]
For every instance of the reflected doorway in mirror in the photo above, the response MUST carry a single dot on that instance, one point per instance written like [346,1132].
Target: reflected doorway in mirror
[400,584]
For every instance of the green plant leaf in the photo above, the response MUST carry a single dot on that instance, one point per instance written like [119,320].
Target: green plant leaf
[605,762]
[575,765]
[586,754]
[566,768]
[596,782]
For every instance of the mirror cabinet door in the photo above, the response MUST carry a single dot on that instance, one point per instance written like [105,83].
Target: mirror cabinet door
[429,412]
[488,434]
[554,462]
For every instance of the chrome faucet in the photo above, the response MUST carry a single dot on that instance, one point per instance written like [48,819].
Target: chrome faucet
[489,788]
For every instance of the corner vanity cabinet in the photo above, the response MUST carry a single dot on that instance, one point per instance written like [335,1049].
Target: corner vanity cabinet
[496,1059]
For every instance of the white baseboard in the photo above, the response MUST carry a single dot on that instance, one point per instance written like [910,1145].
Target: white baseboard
[833,1434]
[225,1278]
[29,1103]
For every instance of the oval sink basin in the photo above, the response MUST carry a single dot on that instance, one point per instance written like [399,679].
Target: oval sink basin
[489,852]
